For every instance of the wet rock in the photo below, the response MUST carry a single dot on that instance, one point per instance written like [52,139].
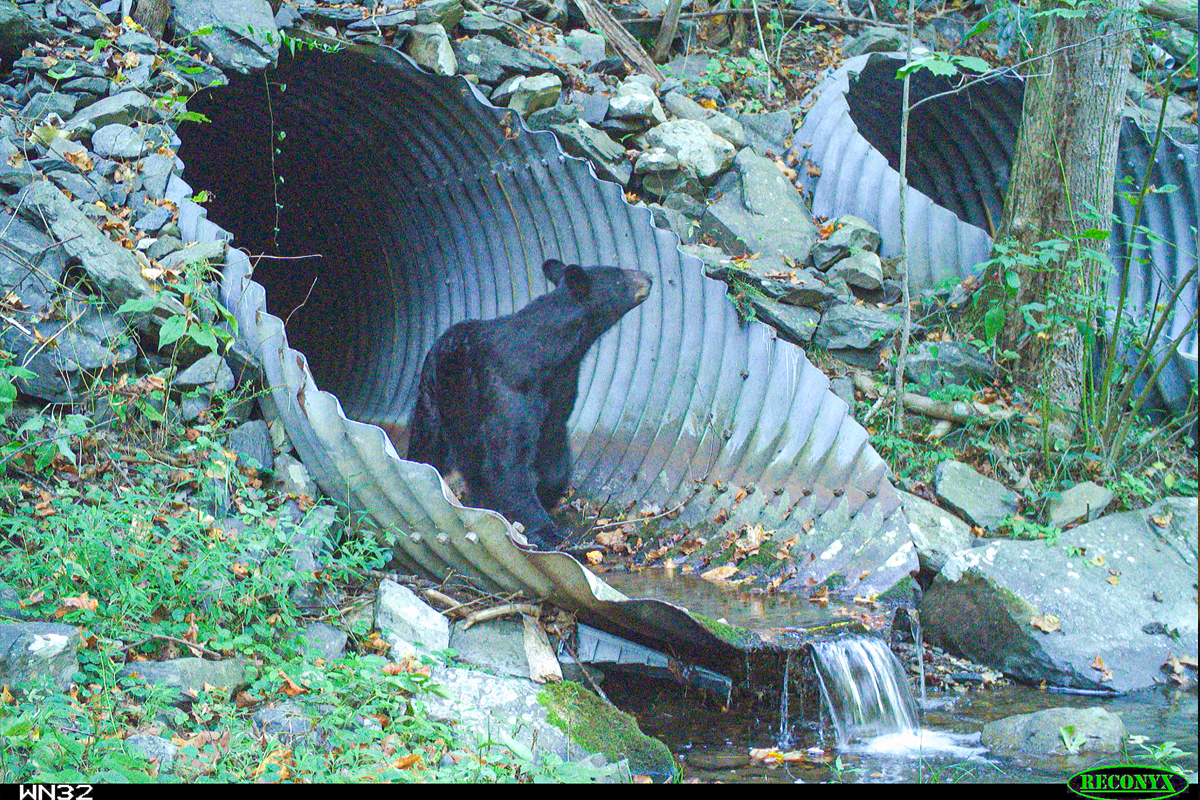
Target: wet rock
[851,235]
[714,758]
[940,364]
[401,615]
[983,604]
[1041,732]
[189,676]
[722,125]
[31,652]
[153,748]
[582,140]
[760,212]
[981,500]
[1085,500]
[936,533]
[527,94]
[493,61]
[113,269]
[698,149]
[429,46]
[244,37]
[252,443]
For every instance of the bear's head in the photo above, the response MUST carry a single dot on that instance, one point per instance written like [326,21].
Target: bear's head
[604,294]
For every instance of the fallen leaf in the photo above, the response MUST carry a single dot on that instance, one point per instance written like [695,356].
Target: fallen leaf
[1047,623]
[719,574]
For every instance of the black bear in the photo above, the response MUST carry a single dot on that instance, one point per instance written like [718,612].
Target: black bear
[495,395]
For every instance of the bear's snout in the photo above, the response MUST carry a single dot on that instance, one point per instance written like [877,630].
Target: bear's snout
[641,285]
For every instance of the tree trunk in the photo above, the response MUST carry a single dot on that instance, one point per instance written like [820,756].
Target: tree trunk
[1065,160]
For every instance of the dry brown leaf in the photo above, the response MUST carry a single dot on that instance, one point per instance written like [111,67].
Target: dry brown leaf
[1046,623]
[719,574]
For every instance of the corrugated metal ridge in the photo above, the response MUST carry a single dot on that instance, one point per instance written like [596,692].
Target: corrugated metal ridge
[677,397]
[961,150]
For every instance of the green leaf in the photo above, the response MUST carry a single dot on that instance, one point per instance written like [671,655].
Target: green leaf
[993,321]
[138,305]
[171,330]
[972,63]
[1012,280]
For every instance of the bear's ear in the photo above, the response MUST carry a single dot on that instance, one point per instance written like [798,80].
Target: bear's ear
[553,270]
[579,282]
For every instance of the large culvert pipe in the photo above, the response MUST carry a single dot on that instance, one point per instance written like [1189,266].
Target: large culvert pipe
[427,206]
[960,148]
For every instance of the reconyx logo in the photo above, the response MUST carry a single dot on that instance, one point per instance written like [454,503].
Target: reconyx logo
[1127,781]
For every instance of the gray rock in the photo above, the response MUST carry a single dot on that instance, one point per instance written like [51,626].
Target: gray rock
[722,125]
[325,641]
[862,269]
[527,94]
[493,61]
[940,364]
[446,13]
[498,645]
[189,675]
[583,141]
[936,533]
[293,478]
[153,748]
[852,235]
[856,328]
[163,246]
[491,24]
[563,55]
[124,108]
[252,443]
[35,651]
[589,45]
[844,389]
[210,372]
[87,86]
[695,145]
[82,13]
[689,67]
[30,265]
[430,47]
[49,103]
[18,30]
[768,132]
[794,323]
[210,252]
[156,170]
[761,212]
[244,37]
[981,500]
[560,114]
[401,615]
[113,269]
[288,723]
[1041,732]
[1127,599]
[121,141]
[405,19]
[1085,500]
[875,40]
[137,42]
[10,603]
[636,103]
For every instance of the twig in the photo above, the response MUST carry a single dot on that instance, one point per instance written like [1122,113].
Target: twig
[905,289]
[586,674]
[959,411]
[618,523]
[190,645]
[792,15]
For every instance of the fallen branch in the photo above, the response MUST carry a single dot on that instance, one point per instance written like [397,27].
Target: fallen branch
[622,41]
[666,31]
[787,15]
[499,611]
[959,411]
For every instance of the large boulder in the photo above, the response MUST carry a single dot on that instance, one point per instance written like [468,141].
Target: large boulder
[1102,608]
[760,211]
[243,38]
[695,145]
[1093,730]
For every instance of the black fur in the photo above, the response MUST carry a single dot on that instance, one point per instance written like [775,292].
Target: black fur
[495,395]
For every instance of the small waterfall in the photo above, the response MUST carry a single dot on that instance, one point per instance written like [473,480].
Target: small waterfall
[864,688]
[785,728]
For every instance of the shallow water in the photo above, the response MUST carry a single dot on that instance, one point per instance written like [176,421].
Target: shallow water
[714,742]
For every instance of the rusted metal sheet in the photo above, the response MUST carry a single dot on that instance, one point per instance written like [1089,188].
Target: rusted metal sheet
[960,151]
[431,206]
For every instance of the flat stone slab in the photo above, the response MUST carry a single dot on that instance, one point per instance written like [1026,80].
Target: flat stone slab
[981,500]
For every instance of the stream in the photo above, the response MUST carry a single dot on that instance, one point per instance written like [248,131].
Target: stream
[942,744]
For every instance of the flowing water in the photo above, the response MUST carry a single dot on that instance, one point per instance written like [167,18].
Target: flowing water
[849,715]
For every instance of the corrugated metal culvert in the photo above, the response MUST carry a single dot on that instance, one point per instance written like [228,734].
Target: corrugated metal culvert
[428,206]
[960,150]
